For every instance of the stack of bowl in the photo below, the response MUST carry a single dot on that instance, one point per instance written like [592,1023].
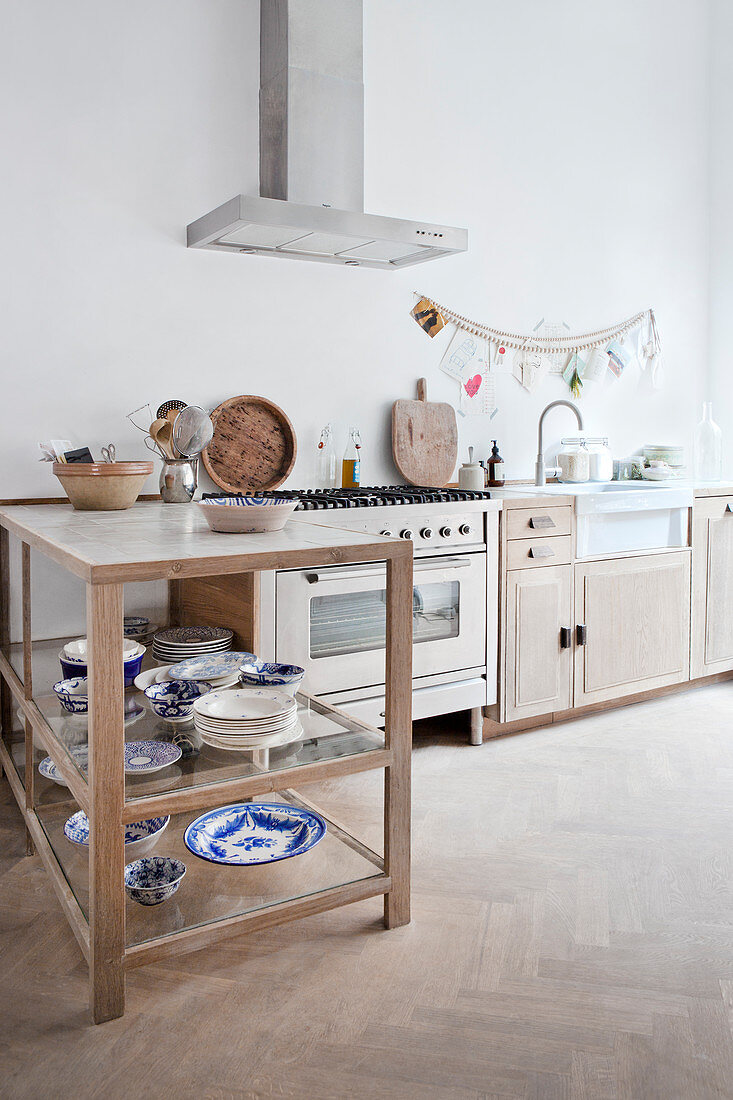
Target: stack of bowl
[73,658]
[248,718]
[179,642]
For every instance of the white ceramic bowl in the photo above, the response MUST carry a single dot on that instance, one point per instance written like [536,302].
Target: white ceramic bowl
[77,651]
[247,515]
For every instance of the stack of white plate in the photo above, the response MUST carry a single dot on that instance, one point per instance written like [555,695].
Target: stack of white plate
[179,642]
[248,718]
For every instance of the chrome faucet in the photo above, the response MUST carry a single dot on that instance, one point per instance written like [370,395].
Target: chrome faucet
[540,470]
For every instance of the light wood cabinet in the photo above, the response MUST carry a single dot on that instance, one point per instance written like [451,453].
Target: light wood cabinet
[636,615]
[538,671]
[712,586]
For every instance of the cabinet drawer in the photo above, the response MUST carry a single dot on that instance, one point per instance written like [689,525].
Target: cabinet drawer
[528,553]
[539,522]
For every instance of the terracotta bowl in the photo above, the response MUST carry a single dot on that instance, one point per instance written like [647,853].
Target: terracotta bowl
[102,486]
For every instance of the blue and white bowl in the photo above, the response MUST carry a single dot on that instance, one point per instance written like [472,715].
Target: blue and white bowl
[174,699]
[135,626]
[73,694]
[257,673]
[76,666]
[153,879]
[76,829]
[247,515]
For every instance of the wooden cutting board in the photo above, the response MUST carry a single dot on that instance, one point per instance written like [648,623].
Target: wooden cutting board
[253,446]
[424,439]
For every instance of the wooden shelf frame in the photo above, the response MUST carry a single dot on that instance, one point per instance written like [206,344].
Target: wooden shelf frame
[103,796]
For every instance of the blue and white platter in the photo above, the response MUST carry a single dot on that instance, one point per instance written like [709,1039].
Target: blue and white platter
[76,829]
[48,769]
[206,667]
[142,757]
[249,833]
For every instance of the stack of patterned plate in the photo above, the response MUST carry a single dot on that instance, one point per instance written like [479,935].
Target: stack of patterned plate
[249,718]
[179,642]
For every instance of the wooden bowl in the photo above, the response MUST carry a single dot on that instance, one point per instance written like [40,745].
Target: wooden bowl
[102,486]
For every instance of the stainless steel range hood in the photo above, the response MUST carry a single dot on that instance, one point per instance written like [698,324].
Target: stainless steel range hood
[312,153]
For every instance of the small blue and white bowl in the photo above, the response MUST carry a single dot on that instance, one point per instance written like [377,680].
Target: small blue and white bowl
[153,879]
[76,829]
[135,626]
[257,673]
[73,694]
[174,699]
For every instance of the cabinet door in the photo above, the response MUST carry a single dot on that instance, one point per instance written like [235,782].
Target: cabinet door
[636,614]
[539,671]
[712,586]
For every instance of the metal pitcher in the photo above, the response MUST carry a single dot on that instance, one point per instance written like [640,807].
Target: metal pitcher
[178,480]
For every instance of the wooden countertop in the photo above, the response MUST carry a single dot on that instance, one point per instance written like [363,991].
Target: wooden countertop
[153,541]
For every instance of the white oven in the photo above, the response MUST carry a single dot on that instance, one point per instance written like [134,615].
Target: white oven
[334,620]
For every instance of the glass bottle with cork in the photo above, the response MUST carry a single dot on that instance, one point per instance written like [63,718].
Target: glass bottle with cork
[326,460]
[351,464]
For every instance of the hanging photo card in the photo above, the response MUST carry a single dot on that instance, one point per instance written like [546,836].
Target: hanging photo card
[552,330]
[618,358]
[478,394]
[529,369]
[464,355]
[596,366]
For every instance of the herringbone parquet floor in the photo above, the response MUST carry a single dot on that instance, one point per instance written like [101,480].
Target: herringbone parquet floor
[572,938]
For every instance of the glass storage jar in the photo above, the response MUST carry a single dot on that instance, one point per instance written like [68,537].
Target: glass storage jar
[573,461]
[601,459]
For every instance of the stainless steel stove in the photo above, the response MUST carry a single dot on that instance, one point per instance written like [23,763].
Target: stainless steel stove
[331,620]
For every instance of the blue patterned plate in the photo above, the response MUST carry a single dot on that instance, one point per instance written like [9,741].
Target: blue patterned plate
[48,769]
[253,832]
[76,829]
[206,667]
[142,757]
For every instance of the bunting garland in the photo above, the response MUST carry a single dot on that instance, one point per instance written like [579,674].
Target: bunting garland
[476,349]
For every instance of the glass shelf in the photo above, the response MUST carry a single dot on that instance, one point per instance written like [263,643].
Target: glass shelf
[327,736]
[210,892]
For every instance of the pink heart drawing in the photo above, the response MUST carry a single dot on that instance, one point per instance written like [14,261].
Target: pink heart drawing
[473,385]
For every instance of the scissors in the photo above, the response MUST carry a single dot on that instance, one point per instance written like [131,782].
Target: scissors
[109,453]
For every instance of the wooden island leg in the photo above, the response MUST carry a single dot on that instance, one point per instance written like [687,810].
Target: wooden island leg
[398,713]
[30,772]
[106,798]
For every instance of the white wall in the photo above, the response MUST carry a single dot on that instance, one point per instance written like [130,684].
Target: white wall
[571,138]
[721,223]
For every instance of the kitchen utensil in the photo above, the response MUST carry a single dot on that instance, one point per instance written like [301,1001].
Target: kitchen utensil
[166,407]
[164,438]
[109,453]
[178,480]
[192,431]
[247,515]
[424,439]
[253,832]
[253,445]
[102,486]
[153,879]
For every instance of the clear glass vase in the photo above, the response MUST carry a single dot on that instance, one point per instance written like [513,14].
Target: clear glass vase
[708,447]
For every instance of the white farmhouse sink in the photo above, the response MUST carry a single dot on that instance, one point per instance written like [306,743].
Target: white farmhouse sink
[621,516]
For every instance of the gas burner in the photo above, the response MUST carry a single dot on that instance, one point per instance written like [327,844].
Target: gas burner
[378,496]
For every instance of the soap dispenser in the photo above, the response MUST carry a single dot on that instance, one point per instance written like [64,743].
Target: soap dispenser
[496,468]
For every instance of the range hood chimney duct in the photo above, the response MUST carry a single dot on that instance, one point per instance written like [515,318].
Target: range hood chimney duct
[311,198]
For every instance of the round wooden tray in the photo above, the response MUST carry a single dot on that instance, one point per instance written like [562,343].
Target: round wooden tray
[254,445]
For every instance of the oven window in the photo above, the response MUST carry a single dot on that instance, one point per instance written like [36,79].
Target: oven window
[354,622]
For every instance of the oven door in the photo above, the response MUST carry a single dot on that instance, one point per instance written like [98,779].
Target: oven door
[332,620]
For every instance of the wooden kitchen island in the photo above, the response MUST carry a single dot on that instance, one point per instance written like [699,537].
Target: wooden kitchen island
[207,573]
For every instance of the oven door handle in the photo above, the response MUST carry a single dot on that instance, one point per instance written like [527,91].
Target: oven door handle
[420,566]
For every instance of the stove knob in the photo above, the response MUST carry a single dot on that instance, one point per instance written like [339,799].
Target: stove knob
[446,532]
[387,534]
[406,534]
[427,532]
[465,529]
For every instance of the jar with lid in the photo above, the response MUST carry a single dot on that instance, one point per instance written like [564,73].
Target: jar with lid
[600,459]
[573,461]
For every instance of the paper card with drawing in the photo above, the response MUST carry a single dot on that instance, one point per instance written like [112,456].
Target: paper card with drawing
[478,393]
[464,355]
[529,369]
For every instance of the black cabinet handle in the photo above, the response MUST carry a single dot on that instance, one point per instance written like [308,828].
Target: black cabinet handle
[566,637]
[729,507]
[580,634]
[541,521]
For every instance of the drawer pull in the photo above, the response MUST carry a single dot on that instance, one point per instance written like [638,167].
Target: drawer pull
[541,552]
[566,637]
[729,507]
[541,521]
[580,634]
